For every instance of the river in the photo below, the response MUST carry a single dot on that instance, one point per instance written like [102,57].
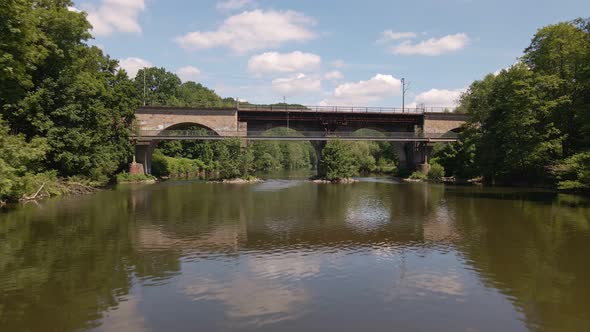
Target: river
[290,255]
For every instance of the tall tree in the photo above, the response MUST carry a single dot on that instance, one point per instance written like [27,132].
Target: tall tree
[63,89]
[157,86]
[561,51]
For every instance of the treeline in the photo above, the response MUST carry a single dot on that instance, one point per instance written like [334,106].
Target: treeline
[530,124]
[233,158]
[65,106]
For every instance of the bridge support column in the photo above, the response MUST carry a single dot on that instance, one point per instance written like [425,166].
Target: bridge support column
[423,156]
[319,148]
[418,155]
[143,155]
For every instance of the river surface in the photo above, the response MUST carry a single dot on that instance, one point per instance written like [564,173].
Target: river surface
[290,255]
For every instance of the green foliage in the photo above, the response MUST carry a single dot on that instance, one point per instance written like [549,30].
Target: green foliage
[274,155]
[574,172]
[458,158]
[21,169]
[159,87]
[436,172]
[228,157]
[418,176]
[126,177]
[53,85]
[338,161]
[385,166]
[531,116]
[168,166]
[362,153]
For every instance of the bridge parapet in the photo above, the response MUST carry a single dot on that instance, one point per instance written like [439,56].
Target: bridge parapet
[340,109]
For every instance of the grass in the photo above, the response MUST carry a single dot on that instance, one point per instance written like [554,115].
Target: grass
[126,177]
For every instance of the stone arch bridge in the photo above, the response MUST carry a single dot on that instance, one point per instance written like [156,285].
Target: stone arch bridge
[413,130]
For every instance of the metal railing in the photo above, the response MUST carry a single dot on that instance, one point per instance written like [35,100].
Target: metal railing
[308,135]
[343,109]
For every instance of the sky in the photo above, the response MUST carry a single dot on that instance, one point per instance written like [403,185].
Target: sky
[328,52]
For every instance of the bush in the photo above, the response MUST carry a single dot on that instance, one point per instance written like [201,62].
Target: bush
[385,166]
[436,172]
[574,172]
[418,176]
[126,177]
[168,166]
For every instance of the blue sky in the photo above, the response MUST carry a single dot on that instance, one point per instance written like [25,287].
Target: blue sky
[324,52]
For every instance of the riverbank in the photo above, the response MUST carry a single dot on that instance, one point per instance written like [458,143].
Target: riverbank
[55,188]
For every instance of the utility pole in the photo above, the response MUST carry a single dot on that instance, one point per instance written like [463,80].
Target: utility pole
[405,88]
[143,86]
[286,109]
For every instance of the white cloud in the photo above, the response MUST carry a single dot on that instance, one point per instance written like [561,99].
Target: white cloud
[296,85]
[364,92]
[433,46]
[74,9]
[253,30]
[333,75]
[188,73]
[388,35]
[273,62]
[438,98]
[133,65]
[234,4]
[115,15]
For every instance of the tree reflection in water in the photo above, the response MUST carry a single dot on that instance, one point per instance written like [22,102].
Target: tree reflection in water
[294,255]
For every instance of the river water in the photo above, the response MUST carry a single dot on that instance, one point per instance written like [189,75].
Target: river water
[290,255]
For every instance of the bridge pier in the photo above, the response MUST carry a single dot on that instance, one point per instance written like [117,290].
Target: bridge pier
[416,156]
[143,155]
[319,146]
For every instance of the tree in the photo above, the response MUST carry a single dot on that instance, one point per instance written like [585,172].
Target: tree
[65,90]
[362,152]
[158,87]
[574,172]
[511,129]
[338,161]
[191,94]
[20,164]
[561,52]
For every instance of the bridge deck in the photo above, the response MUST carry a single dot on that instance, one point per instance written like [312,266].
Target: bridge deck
[163,135]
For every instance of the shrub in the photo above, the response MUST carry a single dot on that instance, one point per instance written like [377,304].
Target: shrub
[168,166]
[436,172]
[126,177]
[386,166]
[574,172]
[418,176]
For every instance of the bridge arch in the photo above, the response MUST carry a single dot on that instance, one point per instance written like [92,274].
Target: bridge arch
[191,126]
[153,118]
[298,136]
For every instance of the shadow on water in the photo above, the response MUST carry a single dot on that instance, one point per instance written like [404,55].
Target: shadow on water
[516,194]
